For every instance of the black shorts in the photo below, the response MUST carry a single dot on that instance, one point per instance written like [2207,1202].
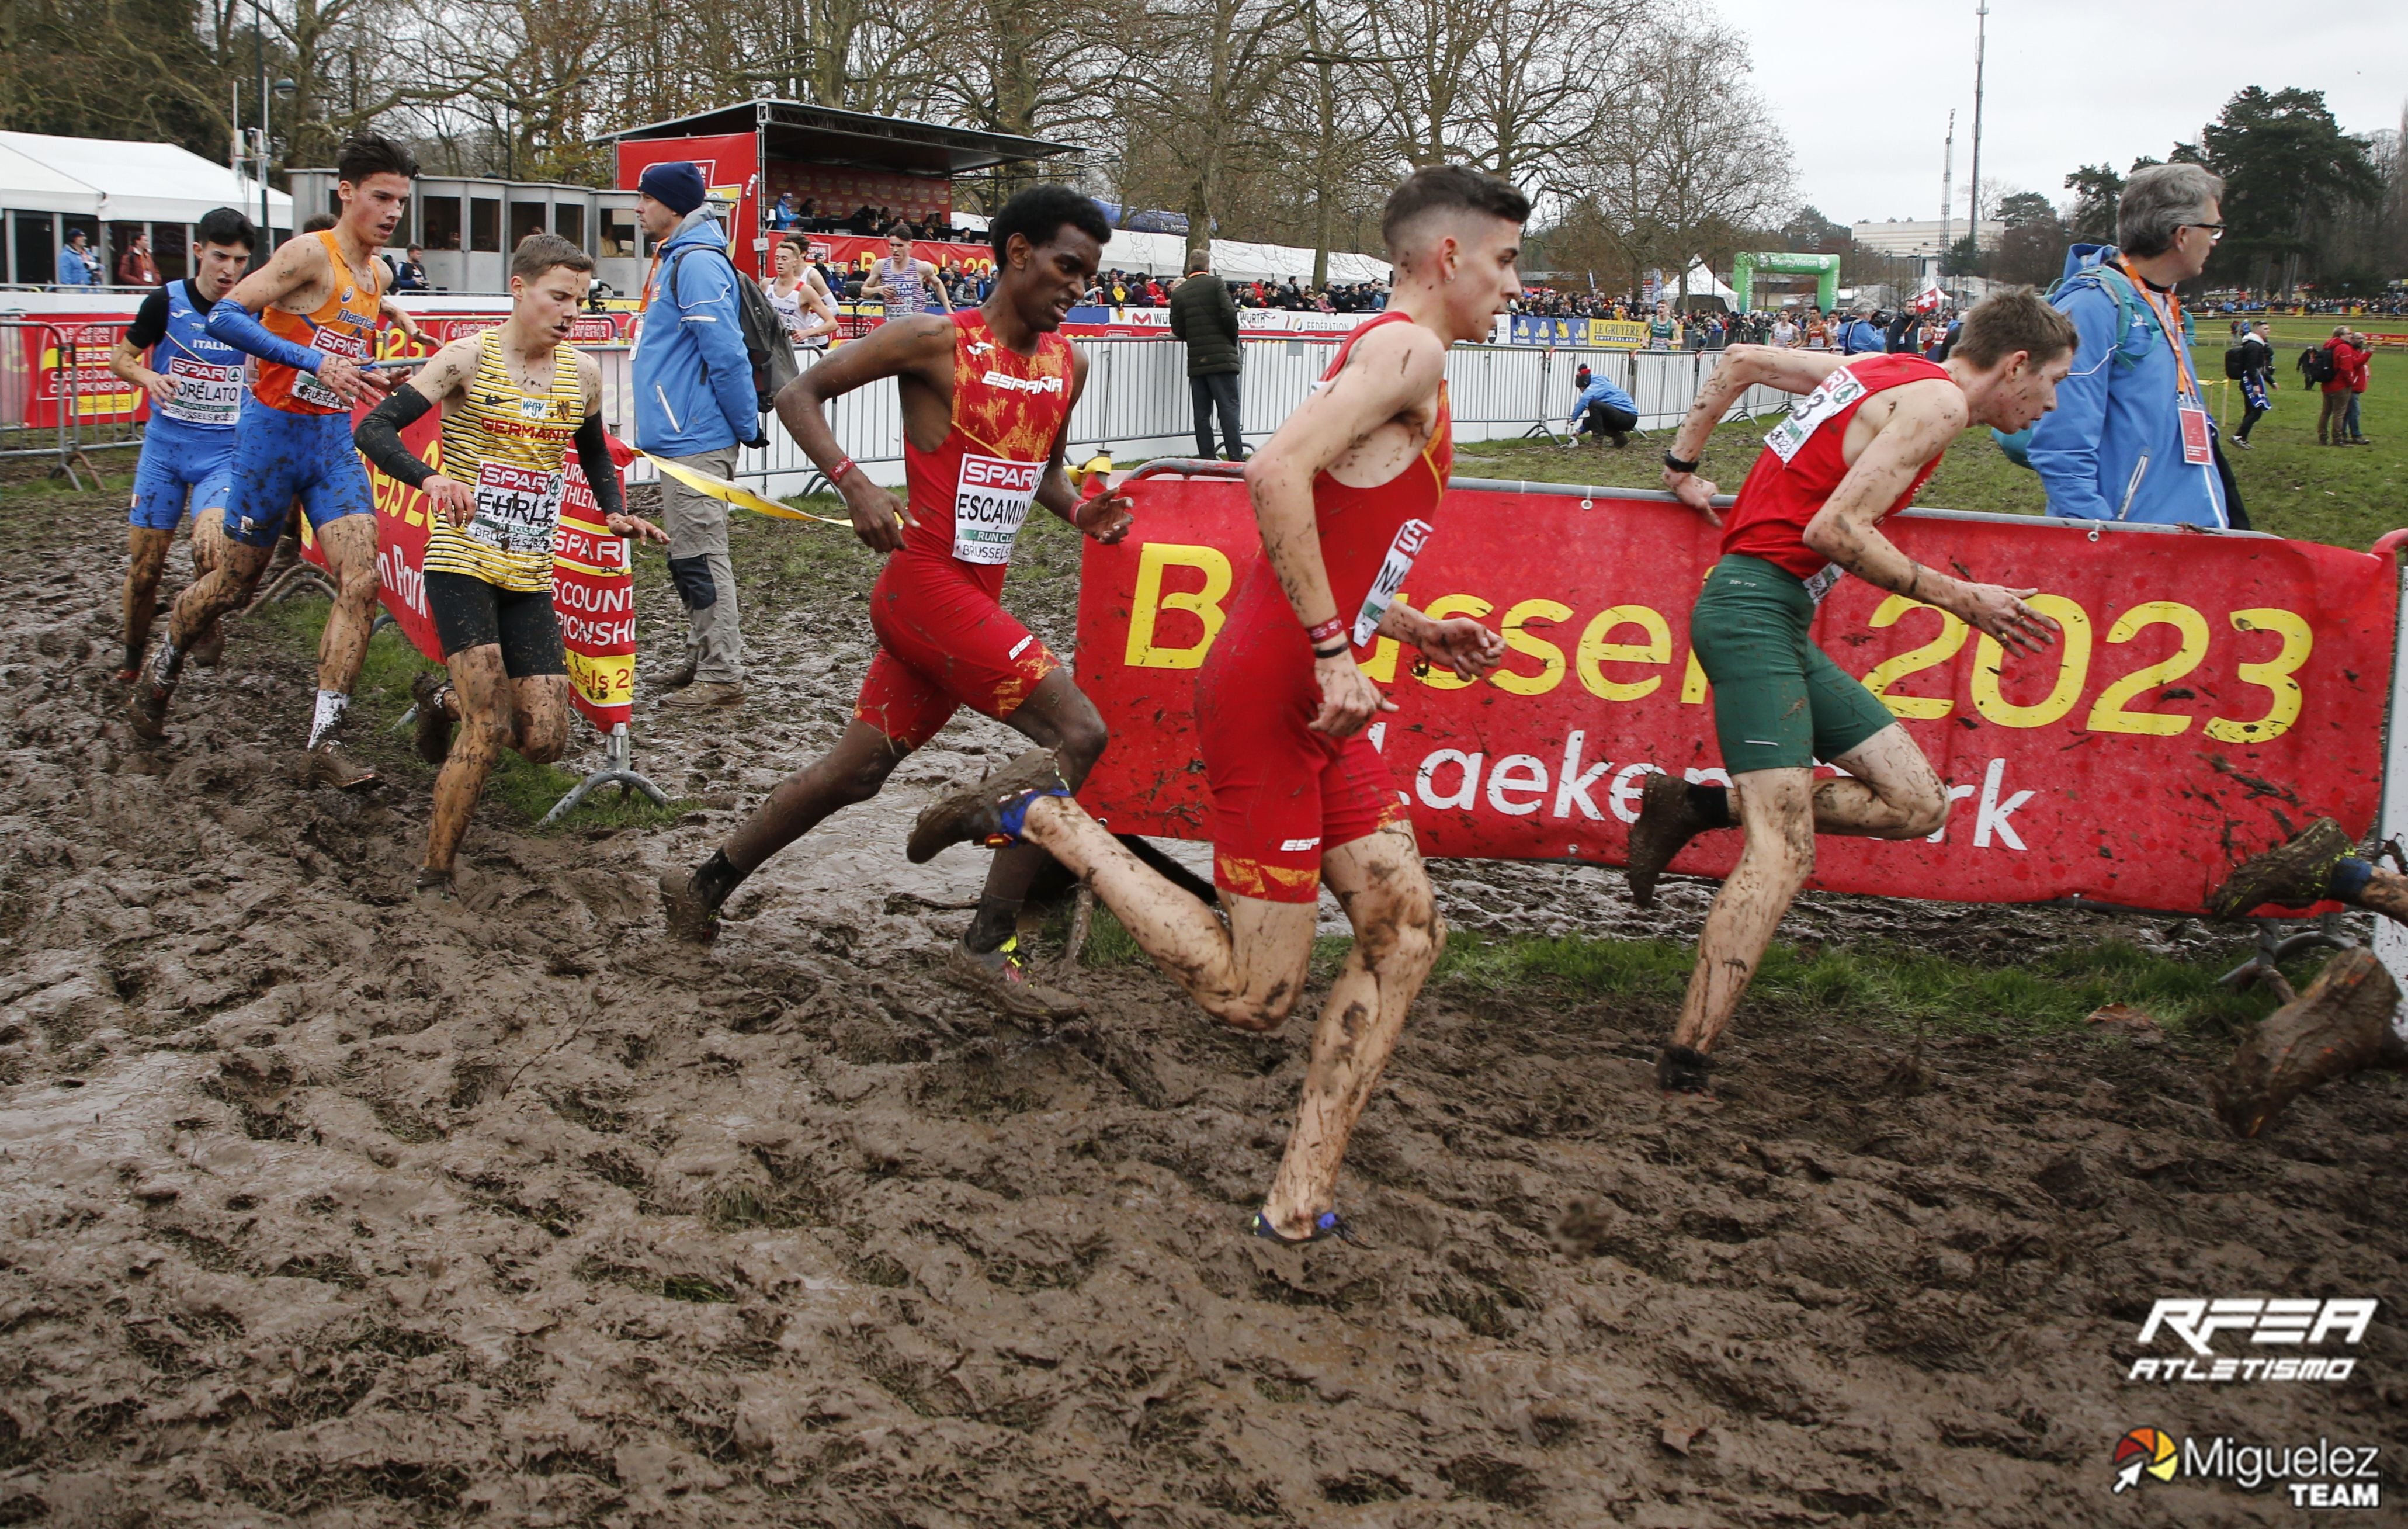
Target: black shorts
[470,614]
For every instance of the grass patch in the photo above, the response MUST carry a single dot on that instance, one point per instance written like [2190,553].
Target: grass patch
[382,695]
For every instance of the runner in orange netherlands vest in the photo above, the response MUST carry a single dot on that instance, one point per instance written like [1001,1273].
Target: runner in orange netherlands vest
[987,396]
[1346,494]
[309,316]
[1863,436]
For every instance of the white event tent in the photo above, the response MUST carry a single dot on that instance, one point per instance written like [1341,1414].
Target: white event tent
[111,189]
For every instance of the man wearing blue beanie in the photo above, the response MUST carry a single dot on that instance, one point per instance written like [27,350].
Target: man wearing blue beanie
[694,405]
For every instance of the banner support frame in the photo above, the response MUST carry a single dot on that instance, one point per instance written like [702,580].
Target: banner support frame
[618,769]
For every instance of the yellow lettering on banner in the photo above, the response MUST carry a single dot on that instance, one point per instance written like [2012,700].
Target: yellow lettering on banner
[2072,668]
[1694,683]
[1381,668]
[1439,610]
[1203,604]
[2108,714]
[609,680]
[1595,652]
[2274,674]
[1916,660]
[1550,657]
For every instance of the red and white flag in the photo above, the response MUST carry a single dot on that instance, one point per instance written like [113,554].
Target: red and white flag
[1929,299]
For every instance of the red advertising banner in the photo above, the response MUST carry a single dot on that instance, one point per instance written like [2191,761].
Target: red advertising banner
[592,585]
[861,253]
[730,164]
[87,391]
[2208,694]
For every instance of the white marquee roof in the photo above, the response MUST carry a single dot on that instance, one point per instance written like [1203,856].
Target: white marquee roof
[123,179]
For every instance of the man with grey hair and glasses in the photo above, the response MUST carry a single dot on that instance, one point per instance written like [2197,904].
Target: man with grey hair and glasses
[2133,437]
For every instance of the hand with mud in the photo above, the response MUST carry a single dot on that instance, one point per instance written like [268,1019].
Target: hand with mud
[454,499]
[878,516]
[344,378]
[637,528]
[1107,517]
[1696,492]
[162,391]
[1463,645]
[1348,697]
[2001,613]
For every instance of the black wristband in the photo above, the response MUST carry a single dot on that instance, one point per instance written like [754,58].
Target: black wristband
[1677,465]
[1334,650]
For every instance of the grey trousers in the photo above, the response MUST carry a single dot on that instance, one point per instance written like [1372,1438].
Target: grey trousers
[705,579]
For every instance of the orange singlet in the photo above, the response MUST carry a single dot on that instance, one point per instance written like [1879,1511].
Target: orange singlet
[944,642]
[344,324]
[1282,794]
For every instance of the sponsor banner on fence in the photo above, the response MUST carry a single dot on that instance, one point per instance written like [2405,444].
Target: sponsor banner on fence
[87,391]
[2208,695]
[592,585]
[1601,334]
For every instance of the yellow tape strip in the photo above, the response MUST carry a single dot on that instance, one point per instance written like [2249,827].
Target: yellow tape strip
[735,493]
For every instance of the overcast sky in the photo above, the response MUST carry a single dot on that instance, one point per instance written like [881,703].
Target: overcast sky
[2069,82]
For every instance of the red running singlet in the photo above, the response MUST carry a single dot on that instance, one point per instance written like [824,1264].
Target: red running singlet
[1283,794]
[1800,465]
[943,641]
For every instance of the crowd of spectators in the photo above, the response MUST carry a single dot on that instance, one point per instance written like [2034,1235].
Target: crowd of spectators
[787,216]
[1136,289]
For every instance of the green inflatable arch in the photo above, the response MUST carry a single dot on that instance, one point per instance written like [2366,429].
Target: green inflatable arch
[1825,268]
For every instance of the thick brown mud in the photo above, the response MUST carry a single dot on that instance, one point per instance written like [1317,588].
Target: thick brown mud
[321,1205]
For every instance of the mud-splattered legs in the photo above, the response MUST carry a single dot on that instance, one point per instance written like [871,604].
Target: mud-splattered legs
[1890,792]
[2386,893]
[350,544]
[147,550]
[1249,974]
[1381,883]
[851,772]
[495,713]
[223,590]
[1056,715]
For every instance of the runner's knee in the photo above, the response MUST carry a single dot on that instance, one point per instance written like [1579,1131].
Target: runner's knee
[543,744]
[1926,813]
[1084,737]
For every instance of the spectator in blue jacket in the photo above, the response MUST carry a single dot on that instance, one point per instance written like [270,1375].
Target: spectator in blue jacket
[694,405]
[1602,410]
[75,266]
[1860,334]
[2114,448]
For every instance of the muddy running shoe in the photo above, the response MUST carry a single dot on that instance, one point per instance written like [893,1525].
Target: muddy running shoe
[331,764]
[2343,1024]
[1326,1225]
[990,812]
[1001,978]
[208,648]
[434,732]
[2289,875]
[692,917]
[146,709]
[1669,818]
[434,885]
[1679,1070]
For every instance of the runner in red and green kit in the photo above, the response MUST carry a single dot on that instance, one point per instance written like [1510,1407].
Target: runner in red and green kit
[1346,494]
[987,396]
[1863,436]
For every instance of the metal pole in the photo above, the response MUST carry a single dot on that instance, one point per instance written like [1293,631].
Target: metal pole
[259,56]
[1947,198]
[1981,47]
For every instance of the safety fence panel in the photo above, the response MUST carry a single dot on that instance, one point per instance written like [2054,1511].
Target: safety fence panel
[2207,695]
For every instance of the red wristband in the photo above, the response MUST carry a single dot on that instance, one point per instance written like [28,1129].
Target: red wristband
[1334,627]
[839,470]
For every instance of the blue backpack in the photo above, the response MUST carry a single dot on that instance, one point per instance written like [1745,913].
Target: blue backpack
[2135,325]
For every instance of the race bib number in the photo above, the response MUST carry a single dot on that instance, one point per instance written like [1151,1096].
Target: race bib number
[1394,569]
[329,341]
[1810,413]
[991,503]
[204,394]
[518,509]
[2196,450]
[1821,584]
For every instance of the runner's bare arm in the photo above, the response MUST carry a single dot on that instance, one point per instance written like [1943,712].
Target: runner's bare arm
[294,268]
[399,318]
[125,362]
[1390,371]
[1107,516]
[1923,417]
[1459,643]
[920,349]
[1742,368]
[929,282]
[378,433]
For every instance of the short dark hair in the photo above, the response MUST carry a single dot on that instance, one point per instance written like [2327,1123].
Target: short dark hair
[318,223]
[363,154]
[1447,188]
[224,226]
[2016,319]
[1038,213]
[539,253]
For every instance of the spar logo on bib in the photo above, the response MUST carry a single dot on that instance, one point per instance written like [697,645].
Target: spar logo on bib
[991,500]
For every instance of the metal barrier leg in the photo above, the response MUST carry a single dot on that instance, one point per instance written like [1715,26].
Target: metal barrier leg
[618,769]
[2273,946]
[292,581]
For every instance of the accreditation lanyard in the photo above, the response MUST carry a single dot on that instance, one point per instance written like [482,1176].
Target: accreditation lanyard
[2188,408]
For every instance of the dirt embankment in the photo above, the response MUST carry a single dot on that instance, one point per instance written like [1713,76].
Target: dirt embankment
[324,1207]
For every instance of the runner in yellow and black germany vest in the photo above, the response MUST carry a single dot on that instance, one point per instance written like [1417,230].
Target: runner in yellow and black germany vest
[514,400]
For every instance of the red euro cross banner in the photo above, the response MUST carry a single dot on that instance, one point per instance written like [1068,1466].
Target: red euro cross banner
[2208,693]
[593,587]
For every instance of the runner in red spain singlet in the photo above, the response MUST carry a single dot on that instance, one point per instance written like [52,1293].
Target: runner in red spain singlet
[1345,495]
[986,399]
[1865,434]
[1282,792]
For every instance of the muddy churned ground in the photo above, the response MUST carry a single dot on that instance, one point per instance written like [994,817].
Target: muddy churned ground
[322,1206]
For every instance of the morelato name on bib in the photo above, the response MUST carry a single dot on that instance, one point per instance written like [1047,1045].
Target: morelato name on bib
[991,503]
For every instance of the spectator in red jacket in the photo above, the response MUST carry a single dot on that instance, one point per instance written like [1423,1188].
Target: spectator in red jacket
[2332,429]
[2365,349]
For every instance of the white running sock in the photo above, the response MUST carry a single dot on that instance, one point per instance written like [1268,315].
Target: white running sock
[330,711]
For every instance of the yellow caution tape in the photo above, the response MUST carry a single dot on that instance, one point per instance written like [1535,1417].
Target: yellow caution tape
[735,493]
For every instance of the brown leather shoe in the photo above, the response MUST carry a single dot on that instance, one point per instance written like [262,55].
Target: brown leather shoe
[703,696]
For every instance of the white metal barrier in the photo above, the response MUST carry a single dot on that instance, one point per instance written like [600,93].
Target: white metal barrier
[1138,403]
